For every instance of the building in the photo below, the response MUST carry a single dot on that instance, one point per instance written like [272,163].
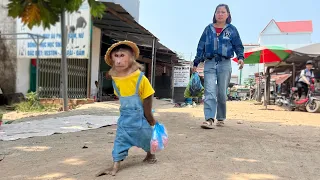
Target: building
[8,55]
[290,34]
[234,79]
[88,40]
[131,6]
[248,69]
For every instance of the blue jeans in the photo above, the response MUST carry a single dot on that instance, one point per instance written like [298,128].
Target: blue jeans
[216,81]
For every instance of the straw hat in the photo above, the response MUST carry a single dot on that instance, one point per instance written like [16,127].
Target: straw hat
[133,46]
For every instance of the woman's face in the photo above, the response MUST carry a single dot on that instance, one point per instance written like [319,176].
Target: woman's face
[221,14]
[309,66]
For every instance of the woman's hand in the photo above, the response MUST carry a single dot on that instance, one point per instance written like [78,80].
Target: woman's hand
[240,63]
[194,69]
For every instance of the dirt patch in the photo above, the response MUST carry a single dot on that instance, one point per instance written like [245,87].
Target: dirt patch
[268,145]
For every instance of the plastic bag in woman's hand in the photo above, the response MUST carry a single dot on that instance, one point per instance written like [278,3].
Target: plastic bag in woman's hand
[159,138]
[194,88]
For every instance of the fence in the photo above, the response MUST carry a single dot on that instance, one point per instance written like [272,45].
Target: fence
[50,78]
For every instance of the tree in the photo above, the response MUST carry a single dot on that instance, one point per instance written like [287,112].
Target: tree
[250,82]
[179,55]
[47,13]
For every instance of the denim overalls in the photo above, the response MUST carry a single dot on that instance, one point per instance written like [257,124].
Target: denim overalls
[133,128]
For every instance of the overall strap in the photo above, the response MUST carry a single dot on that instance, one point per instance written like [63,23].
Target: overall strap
[138,82]
[115,88]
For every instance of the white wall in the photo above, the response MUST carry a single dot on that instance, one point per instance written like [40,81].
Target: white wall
[95,57]
[272,36]
[272,28]
[286,40]
[132,6]
[23,75]
[234,80]
[248,71]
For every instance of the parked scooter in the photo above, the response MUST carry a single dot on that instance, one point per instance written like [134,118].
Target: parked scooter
[280,100]
[309,103]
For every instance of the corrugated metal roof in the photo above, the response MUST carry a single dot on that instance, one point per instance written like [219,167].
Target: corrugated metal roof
[118,24]
[312,49]
[279,78]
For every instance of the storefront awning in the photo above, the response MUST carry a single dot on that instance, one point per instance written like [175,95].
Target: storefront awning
[279,78]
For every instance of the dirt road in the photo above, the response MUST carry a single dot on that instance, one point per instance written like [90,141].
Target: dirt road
[254,145]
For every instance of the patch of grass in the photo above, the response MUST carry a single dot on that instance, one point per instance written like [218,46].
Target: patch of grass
[32,104]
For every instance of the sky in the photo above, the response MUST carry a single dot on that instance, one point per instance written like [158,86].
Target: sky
[179,23]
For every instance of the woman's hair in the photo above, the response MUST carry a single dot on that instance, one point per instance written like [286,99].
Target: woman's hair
[228,21]
[134,66]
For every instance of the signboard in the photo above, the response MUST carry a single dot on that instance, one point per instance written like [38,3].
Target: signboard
[78,28]
[181,76]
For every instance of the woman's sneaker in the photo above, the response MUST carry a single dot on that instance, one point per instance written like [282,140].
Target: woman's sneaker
[208,124]
[220,123]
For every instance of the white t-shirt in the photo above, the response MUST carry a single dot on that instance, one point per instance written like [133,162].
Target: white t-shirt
[307,73]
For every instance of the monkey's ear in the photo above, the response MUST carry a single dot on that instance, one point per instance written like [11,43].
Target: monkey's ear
[137,66]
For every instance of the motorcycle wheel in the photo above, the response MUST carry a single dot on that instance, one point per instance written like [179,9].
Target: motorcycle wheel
[313,107]
[279,103]
[292,108]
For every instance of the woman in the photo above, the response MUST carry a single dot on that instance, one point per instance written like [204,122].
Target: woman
[216,47]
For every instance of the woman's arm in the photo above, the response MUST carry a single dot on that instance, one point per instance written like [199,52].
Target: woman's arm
[304,78]
[200,49]
[237,44]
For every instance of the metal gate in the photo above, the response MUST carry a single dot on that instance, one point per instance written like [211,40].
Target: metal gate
[50,78]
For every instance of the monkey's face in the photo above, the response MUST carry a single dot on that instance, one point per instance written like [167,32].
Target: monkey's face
[122,60]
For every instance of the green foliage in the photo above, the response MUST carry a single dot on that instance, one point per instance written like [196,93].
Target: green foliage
[47,12]
[249,82]
[97,8]
[32,104]
[179,55]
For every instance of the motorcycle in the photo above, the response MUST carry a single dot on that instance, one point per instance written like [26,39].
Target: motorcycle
[310,103]
[280,100]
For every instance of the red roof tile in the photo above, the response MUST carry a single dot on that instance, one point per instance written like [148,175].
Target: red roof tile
[295,26]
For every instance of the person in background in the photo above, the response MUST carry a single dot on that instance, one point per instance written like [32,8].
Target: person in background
[305,79]
[96,91]
[216,47]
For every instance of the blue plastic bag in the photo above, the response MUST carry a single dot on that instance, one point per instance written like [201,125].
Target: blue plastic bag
[194,88]
[159,138]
